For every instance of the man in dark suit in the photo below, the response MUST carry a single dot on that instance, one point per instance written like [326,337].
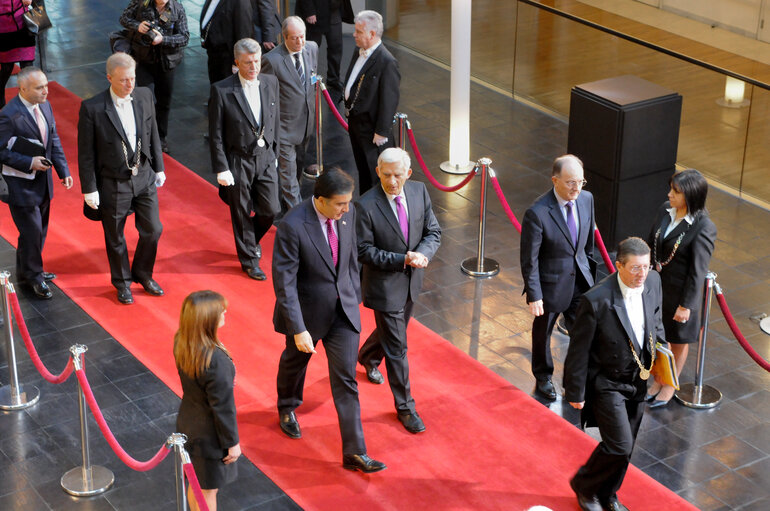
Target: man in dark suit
[557,243]
[611,351]
[223,23]
[317,292]
[324,19]
[243,136]
[371,97]
[266,23]
[398,234]
[29,118]
[294,63]
[121,166]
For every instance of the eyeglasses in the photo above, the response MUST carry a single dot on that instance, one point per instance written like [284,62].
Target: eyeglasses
[576,184]
[636,269]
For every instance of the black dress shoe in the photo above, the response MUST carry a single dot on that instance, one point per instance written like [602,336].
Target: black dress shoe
[362,462]
[289,425]
[546,388]
[124,296]
[42,290]
[586,503]
[373,374]
[49,276]
[255,273]
[412,422]
[151,287]
[615,505]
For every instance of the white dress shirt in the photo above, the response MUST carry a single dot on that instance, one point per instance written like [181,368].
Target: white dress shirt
[31,109]
[126,115]
[209,13]
[301,60]
[563,208]
[251,90]
[363,56]
[674,222]
[392,202]
[632,298]
[322,220]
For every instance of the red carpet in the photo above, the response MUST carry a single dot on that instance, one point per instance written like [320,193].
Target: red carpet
[488,445]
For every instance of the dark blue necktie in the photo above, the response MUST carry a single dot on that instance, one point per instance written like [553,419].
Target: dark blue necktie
[571,223]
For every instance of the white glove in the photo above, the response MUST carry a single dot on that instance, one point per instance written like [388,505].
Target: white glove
[225,178]
[160,178]
[92,199]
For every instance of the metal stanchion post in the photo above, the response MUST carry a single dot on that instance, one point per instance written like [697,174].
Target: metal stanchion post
[401,120]
[481,266]
[13,396]
[697,395]
[88,479]
[177,441]
[319,139]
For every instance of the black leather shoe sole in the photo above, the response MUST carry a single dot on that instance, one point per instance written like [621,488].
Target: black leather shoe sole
[289,425]
[255,273]
[362,463]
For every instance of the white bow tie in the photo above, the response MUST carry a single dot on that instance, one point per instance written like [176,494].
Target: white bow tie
[630,292]
[121,102]
[363,53]
[248,84]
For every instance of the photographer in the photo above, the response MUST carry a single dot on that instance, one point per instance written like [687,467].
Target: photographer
[159,35]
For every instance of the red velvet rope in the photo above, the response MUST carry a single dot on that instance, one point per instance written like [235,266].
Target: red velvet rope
[44,372]
[427,172]
[603,250]
[737,333]
[196,487]
[504,202]
[334,110]
[139,466]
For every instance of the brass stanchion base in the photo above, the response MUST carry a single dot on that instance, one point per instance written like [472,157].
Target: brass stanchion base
[693,396]
[489,268]
[75,484]
[28,396]
[457,168]
[764,324]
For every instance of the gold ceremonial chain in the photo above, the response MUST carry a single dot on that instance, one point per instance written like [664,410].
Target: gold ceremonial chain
[353,103]
[659,265]
[135,169]
[643,373]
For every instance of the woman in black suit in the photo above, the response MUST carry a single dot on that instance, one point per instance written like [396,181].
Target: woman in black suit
[207,412]
[682,241]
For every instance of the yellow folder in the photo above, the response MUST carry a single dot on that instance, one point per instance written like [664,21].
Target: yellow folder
[664,367]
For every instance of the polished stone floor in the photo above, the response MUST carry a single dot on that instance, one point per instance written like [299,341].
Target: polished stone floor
[717,459]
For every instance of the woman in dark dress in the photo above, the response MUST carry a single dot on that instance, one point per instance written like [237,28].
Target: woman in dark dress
[207,412]
[682,241]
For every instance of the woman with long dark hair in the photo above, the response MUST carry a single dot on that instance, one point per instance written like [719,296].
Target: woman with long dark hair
[207,412]
[682,241]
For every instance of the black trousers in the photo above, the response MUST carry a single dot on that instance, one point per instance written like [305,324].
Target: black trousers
[118,197]
[333,34]
[341,346]
[388,340]
[542,328]
[162,84]
[365,152]
[220,63]
[618,409]
[32,223]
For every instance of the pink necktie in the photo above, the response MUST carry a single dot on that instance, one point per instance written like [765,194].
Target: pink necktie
[41,124]
[333,241]
[403,221]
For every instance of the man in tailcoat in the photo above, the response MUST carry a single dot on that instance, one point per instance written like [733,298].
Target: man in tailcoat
[371,97]
[244,131]
[557,243]
[121,166]
[223,23]
[398,235]
[317,292]
[294,63]
[611,352]
[29,117]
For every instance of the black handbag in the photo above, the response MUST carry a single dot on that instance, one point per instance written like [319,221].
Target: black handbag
[36,18]
[120,40]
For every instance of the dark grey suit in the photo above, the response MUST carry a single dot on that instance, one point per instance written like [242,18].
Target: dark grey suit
[389,287]
[601,370]
[297,114]
[233,140]
[103,168]
[313,295]
[554,270]
[29,199]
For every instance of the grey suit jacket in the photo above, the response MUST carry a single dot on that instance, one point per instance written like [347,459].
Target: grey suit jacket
[297,97]
[306,282]
[386,283]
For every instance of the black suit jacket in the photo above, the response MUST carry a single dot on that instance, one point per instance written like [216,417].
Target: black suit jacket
[267,24]
[233,129]
[207,412]
[100,133]
[599,352]
[373,105]
[307,285]
[326,12]
[385,283]
[548,257]
[684,276]
[231,22]
[16,121]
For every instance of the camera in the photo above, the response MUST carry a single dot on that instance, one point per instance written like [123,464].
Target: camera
[149,36]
